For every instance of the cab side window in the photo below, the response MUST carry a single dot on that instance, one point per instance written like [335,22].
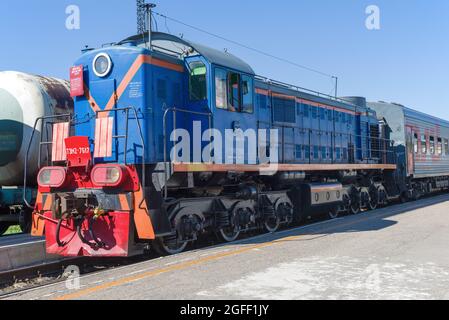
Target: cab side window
[247,91]
[221,93]
[234,92]
[198,82]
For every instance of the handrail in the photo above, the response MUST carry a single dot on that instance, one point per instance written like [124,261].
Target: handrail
[164,128]
[305,90]
[127,110]
[25,170]
[364,139]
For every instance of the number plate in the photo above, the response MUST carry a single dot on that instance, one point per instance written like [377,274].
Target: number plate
[78,151]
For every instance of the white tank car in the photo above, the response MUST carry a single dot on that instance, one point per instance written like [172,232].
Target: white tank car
[23,99]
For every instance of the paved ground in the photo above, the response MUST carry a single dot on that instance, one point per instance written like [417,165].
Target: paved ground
[400,252]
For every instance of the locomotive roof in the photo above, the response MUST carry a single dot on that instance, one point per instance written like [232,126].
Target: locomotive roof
[174,45]
[180,47]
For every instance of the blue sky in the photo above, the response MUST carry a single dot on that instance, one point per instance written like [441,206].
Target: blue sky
[406,61]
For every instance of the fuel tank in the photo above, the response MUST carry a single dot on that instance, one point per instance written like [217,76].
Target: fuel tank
[23,99]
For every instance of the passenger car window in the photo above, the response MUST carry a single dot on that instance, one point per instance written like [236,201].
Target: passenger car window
[247,90]
[423,144]
[221,94]
[446,147]
[439,146]
[415,143]
[432,145]
[197,81]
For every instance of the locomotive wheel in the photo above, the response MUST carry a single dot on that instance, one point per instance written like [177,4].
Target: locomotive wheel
[346,204]
[229,234]
[333,214]
[373,198]
[355,196]
[4,226]
[188,224]
[383,199]
[404,198]
[355,208]
[372,204]
[168,246]
[272,224]
[283,208]
[289,206]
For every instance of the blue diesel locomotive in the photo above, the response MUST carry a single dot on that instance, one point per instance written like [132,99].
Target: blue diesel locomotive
[125,178]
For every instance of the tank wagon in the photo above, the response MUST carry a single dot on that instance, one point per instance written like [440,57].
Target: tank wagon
[23,99]
[122,178]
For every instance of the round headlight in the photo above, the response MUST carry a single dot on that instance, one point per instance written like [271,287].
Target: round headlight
[102,65]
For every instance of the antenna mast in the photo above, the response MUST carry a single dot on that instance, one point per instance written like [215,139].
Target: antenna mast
[144,19]
[141,28]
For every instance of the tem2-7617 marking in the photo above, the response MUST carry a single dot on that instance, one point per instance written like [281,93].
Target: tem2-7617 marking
[77,151]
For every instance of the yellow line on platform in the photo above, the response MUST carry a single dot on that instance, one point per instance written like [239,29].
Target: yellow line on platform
[185,265]
[153,273]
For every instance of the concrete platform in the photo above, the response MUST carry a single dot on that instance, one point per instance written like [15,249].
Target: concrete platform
[21,251]
[399,252]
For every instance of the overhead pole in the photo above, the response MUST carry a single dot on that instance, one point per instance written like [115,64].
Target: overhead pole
[149,10]
[141,28]
[336,86]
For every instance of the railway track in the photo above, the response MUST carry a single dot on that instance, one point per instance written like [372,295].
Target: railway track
[16,281]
